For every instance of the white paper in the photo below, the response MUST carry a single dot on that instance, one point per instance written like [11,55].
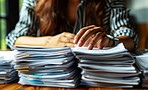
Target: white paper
[84,50]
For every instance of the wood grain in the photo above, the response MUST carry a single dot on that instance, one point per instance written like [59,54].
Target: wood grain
[16,86]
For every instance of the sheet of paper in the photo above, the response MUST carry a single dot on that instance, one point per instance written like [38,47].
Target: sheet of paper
[83,50]
[143,60]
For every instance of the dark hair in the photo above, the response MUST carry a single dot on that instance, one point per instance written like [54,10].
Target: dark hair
[52,15]
[95,12]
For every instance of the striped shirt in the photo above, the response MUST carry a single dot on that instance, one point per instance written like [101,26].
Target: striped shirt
[116,16]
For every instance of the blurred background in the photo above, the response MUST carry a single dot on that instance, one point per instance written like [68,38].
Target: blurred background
[139,19]
[9,15]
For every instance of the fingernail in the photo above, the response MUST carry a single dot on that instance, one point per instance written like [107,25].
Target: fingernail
[90,47]
[100,47]
[75,41]
[79,44]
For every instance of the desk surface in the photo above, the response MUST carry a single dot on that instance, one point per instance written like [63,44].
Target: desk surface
[15,86]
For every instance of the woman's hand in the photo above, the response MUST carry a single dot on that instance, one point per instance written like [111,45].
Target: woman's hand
[92,36]
[61,40]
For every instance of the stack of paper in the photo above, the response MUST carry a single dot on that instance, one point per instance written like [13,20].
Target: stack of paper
[110,67]
[7,72]
[42,66]
[142,63]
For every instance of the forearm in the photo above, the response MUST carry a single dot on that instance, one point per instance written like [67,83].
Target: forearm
[60,40]
[32,41]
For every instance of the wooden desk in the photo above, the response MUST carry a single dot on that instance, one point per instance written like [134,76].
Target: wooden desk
[15,86]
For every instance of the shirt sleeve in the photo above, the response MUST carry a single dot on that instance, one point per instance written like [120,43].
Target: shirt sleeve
[23,25]
[119,21]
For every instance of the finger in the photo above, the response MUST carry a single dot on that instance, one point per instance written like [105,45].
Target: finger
[104,42]
[81,32]
[61,44]
[98,36]
[69,35]
[87,35]
[66,40]
[66,44]
[71,40]
[87,41]
[99,43]
[70,44]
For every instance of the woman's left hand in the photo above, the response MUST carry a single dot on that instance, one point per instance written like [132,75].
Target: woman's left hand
[92,36]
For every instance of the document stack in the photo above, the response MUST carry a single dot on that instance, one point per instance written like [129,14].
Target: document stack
[42,66]
[7,72]
[110,67]
[142,63]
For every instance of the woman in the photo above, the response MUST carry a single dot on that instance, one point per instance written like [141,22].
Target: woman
[42,22]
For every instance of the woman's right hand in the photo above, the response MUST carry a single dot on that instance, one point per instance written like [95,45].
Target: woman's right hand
[92,36]
[60,40]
